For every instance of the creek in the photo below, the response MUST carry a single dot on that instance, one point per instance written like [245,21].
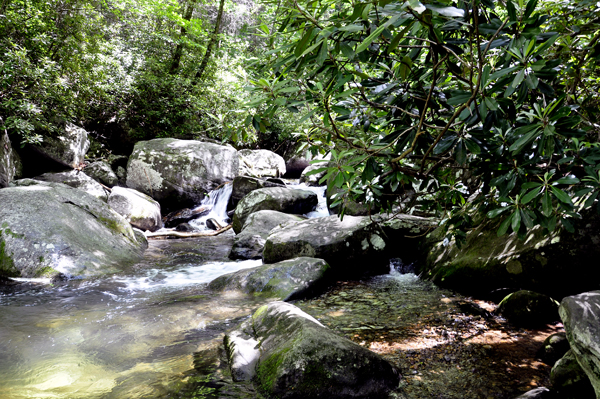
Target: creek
[139,333]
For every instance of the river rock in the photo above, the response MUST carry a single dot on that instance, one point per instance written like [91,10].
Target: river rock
[51,228]
[176,218]
[102,173]
[542,263]
[287,200]
[295,166]
[242,185]
[313,179]
[528,309]
[72,178]
[290,355]
[10,162]
[287,280]
[261,163]
[179,173]
[580,315]
[570,380]
[554,347]
[249,243]
[137,208]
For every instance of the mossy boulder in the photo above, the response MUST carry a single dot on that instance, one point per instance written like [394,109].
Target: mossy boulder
[179,173]
[102,173]
[242,185]
[282,199]
[249,243]
[528,309]
[287,280]
[137,208]
[290,355]
[569,380]
[554,347]
[51,228]
[557,264]
[72,178]
[10,162]
[580,315]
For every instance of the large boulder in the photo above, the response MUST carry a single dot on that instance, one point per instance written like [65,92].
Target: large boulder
[10,162]
[261,163]
[569,380]
[287,200]
[102,173]
[287,280]
[313,179]
[540,262]
[249,243]
[178,173]
[242,185]
[51,228]
[72,178]
[580,315]
[288,354]
[528,309]
[137,208]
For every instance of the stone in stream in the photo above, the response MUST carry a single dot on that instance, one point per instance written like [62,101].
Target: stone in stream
[570,380]
[10,162]
[287,280]
[287,200]
[102,173]
[72,178]
[242,185]
[179,173]
[175,218]
[528,309]
[580,315]
[51,228]
[249,243]
[137,208]
[261,163]
[290,355]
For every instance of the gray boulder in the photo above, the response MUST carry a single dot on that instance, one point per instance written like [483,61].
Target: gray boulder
[287,280]
[261,163]
[50,228]
[137,208]
[72,178]
[102,173]
[68,147]
[10,162]
[580,316]
[178,173]
[569,380]
[288,354]
[249,243]
[287,200]
[528,309]
[352,243]
[313,179]
[242,185]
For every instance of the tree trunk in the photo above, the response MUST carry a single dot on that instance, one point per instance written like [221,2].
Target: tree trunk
[187,16]
[211,43]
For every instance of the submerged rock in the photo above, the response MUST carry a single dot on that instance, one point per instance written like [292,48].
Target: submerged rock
[287,280]
[102,173]
[580,316]
[527,309]
[261,163]
[138,209]
[287,200]
[249,243]
[288,354]
[52,228]
[10,162]
[178,173]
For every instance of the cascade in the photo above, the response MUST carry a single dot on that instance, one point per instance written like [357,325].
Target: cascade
[217,201]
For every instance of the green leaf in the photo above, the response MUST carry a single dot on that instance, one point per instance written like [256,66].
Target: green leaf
[496,212]
[323,53]
[565,222]
[567,180]
[303,42]
[516,221]
[530,195]
[459,98]
[527,221]
[491,104]
[512,12]
[561,195]
[523,141]
[520,76]
[546,204]
[530,8]
[504,226]
[367,42]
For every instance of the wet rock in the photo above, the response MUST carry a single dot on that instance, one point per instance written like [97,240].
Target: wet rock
[10,162]
[313,179]
[570,380]
[290,355]
[528,309]
[212,224]
[538,393]
[249,243]
[184,227]
[554,347]
[261,163]
[185,215]
[73,178]
[294,167]
[354,244]
[102,173]
[287,280]
[579,314]
[242,185]
[51,228]
[137,208]
[287,200]
[178,173]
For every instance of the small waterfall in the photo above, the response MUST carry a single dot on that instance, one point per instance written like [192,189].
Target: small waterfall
[217,201]
[321,209]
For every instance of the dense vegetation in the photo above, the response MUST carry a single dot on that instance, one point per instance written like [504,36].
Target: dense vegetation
[454,107]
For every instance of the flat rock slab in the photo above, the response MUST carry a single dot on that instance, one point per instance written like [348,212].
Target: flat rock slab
[287,280]
[51,228]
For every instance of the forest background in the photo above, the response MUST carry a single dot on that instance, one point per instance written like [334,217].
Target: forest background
[462,109]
